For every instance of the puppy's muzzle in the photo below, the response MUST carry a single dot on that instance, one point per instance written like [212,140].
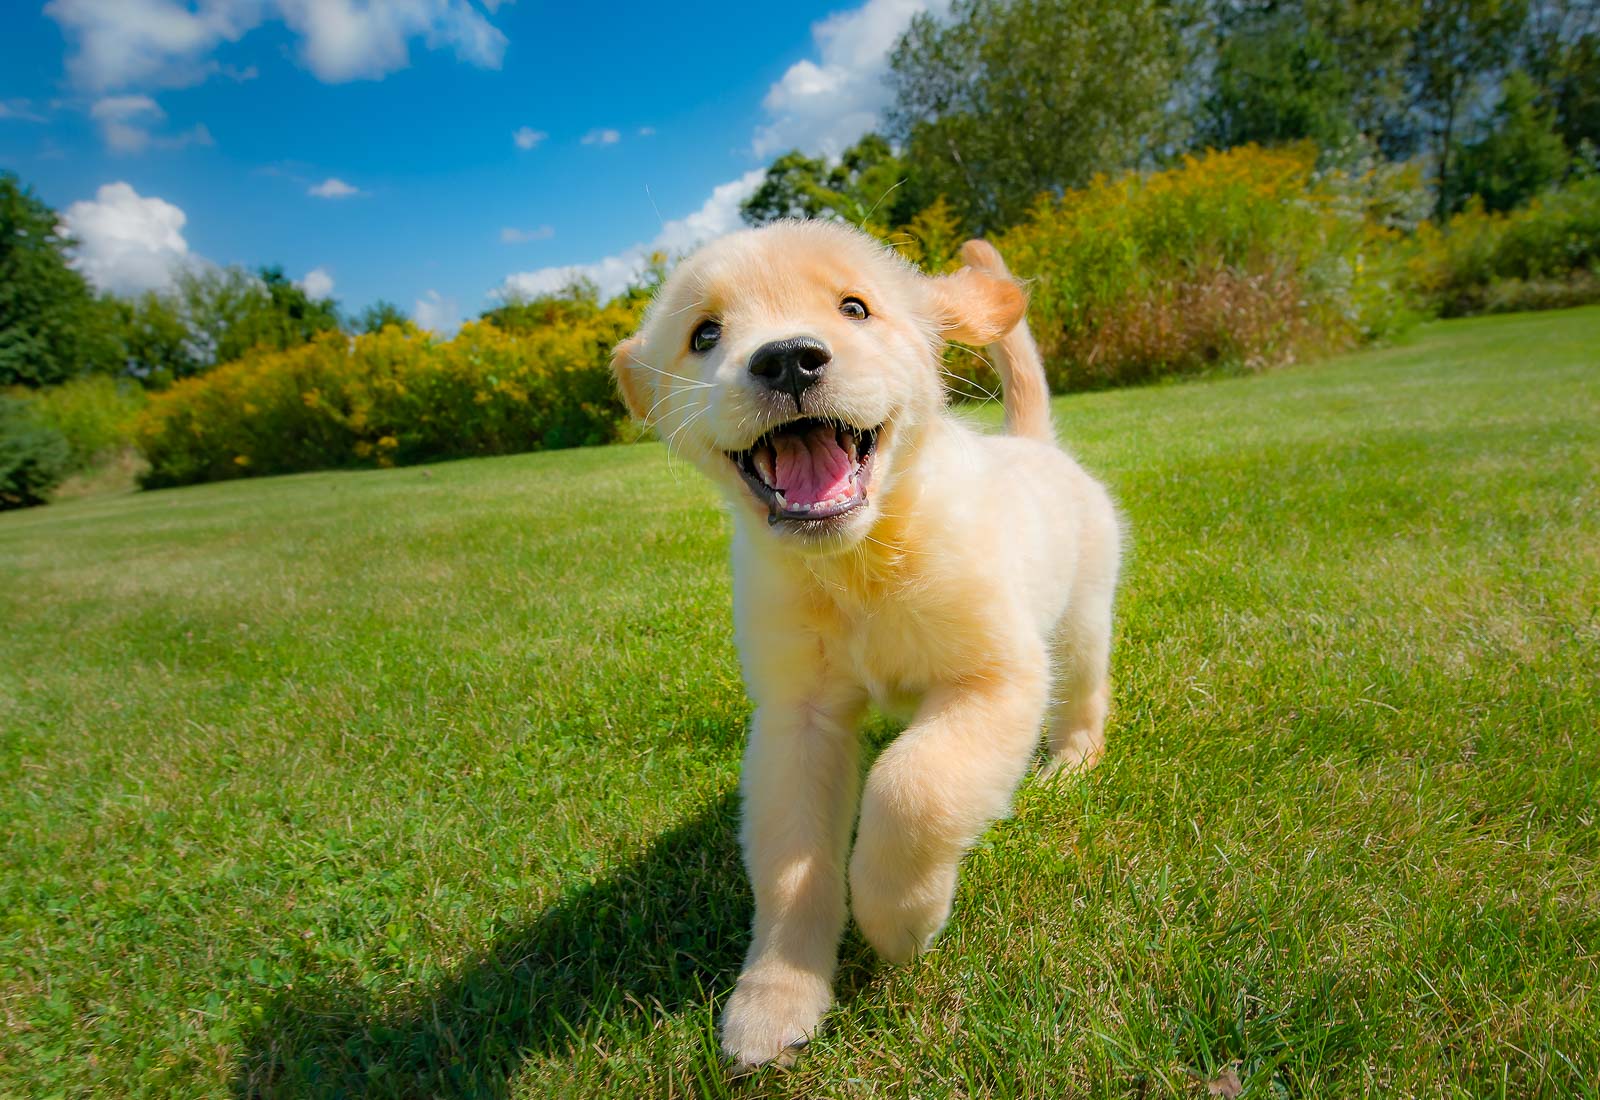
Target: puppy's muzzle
[790,366]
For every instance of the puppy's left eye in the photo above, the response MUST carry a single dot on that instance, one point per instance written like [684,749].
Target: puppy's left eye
[705,336]
[854,308]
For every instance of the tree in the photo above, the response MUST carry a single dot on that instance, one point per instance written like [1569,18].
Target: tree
[1561,52]
[231,311]
[158,345]
[286,318]
[51,327]
[1456,46]
[866,187]
[1278,78]
[578,301]
[1010,98]
[379,316]
[1517,152]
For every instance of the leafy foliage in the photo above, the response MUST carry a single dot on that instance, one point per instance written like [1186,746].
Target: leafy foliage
[95,414]
[1010,98]
[1244,257]
[50,327]
[34,457]
[863,188]
[1518,151]
[378,316]
[1279,78]
[391,397]
[1545,254]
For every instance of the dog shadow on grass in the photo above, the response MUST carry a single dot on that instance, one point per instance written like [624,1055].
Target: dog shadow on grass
[663,935]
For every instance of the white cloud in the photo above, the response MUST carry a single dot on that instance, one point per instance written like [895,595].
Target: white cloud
[168,43]
[647,131]
[126,243]
[317,283]
[822,106]
[527,137]
[332,188]
[437,314]
[347,40]
[119,119]
[126,123]
[19,110]
[717,216]
[512,235]
[161,42]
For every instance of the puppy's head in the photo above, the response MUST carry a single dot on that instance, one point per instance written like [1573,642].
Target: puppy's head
[797,364]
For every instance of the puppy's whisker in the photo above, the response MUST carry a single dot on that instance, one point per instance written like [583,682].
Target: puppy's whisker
[895,186]
[986,393]
[659,402]
[690,420]
[975,353]
[689,381]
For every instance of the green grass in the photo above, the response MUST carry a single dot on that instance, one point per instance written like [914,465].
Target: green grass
[420,782]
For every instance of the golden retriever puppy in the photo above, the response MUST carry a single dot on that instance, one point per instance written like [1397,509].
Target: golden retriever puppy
[884,552]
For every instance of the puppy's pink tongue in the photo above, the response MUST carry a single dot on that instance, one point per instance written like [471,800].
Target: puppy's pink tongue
[811,466]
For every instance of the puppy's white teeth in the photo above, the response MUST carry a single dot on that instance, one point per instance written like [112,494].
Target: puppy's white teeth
[764,467]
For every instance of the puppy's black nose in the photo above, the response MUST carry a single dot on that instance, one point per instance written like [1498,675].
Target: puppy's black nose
[790,366]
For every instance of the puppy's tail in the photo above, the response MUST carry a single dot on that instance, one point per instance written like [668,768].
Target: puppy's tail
[1016,359]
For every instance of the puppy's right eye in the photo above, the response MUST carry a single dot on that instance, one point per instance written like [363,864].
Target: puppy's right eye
[705,336]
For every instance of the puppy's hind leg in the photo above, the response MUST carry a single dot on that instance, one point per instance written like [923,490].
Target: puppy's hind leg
[1076,730]
[931,794]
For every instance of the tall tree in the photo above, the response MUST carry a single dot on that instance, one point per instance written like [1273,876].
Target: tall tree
[1006,99]
[379,316]
[1278,78]
[1516,153]
[867,187]
[51,326]
[1561,52]
[1457,47]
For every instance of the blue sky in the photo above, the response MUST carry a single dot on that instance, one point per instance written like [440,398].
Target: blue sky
[471,145]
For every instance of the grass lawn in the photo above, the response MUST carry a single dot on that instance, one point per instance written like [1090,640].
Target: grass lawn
[421,782]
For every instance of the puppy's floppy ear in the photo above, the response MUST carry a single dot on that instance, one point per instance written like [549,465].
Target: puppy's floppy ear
[980,303]
[626,363]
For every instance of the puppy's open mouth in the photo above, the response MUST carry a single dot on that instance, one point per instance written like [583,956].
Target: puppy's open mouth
[810,469]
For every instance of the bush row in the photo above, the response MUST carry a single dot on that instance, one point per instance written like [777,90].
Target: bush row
[393,397]
[1242,257]
[1544,255]
[50,434]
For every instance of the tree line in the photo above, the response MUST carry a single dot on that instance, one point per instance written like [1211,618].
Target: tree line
[995,104]
[1002,101]
[53,326]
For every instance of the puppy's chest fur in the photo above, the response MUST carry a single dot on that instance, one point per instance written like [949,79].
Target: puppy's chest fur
[898,632]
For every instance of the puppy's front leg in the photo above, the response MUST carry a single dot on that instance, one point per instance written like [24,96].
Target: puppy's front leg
[931,794]
[799,785]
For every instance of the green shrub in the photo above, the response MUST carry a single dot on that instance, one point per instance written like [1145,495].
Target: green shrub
[95,414]
[1546,253]
[1242,258]
[33,457]
[390,398]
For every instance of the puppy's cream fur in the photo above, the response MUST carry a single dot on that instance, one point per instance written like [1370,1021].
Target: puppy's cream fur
[972,591]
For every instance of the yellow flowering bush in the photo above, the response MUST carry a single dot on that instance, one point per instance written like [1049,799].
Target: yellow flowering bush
[1243,257]
[390,398]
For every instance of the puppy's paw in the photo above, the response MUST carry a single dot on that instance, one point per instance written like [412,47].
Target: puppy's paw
[771,1016]
[901,917]
[1075,758]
